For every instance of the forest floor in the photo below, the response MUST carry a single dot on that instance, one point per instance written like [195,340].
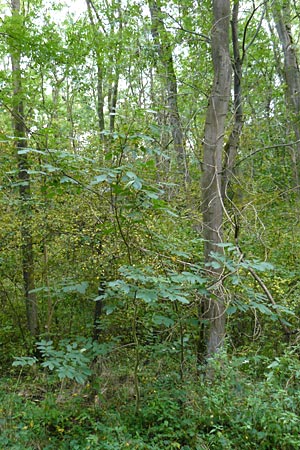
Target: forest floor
[251,404]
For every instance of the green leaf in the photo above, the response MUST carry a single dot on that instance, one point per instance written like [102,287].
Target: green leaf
[50,168]
[148,295]
[151,194]
[67,179]
[131,175]
[273,364]
[193,278]
[99,179]
[120,285]
[284,309]
[182,299]
[235,280]
[48,364]
[162,320]
[213,264]
[262,266]
[135,181]
[173,295]
[262,308]
[231,310]
[35,172]
[24,151]
[170,212]
[21,183]
[146,137]
[226,245]
[137,184]
[99,297]
[78,287]
[41,289]
[24,361]
[109,309]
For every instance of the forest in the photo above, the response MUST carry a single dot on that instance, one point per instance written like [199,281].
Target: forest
[150,239]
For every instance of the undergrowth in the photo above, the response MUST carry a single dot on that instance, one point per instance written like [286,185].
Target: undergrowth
[252,403]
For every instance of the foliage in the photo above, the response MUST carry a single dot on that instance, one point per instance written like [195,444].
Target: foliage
[239,409]
[121,284]
[71,360]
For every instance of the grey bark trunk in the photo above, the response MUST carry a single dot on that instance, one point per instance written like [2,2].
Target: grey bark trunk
[212,205]
[100,96]
[19,129]
[113,103]
[282,18]
[232,145]
[166,71]
[100,99]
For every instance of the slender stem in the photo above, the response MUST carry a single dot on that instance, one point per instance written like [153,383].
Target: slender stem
[137,357]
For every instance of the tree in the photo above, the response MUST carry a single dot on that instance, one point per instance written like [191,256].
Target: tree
[283,21]
[108,74]
[20,132]
[211,183]
[166,71]
[232,144]
[98,208]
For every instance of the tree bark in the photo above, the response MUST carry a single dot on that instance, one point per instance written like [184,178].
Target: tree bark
[282,18]
[232,145]
[19,129]
[113,102]
[166,71]
[212,204]
[100,95]
[98,312]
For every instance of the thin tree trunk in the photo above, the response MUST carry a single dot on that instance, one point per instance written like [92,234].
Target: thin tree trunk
[98,312]
[212,205]
[166,70]
[113,103]
[118,55]
[100,95]
[19,129]
[232,145]
[282,18]
[100,98]
[70,118]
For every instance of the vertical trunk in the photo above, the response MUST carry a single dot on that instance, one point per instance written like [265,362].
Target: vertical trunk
[98,312]
[70,119]
[166,71]
[114,89]
[282,18]
[100,96]
[212,205]
[232,145]
[19,129]
[47,284]
[118,55]
[113,103]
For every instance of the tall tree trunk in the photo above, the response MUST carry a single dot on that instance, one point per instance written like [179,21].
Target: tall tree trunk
[100,95]
[113,102]
[212,205]
[19,129]
[232,145]
[282,18]
[98,312]
[100,98]
[166,71]
[113,91]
